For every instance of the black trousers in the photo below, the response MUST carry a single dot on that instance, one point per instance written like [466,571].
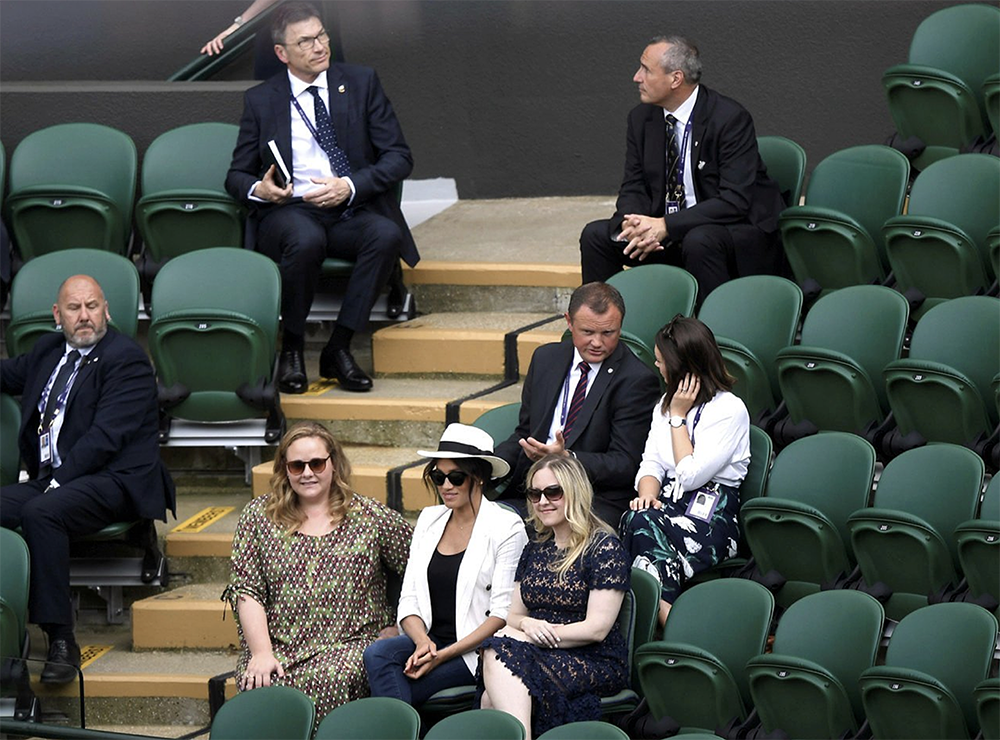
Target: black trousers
[299,236]
[49,521]
[708,252]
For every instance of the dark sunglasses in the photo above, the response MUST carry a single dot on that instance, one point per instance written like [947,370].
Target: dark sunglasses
[455,477]
[298,467]
[552,494]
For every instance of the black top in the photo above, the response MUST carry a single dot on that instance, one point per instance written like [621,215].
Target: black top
[442,582]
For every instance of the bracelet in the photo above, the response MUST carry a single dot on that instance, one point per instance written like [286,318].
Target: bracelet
[238,21]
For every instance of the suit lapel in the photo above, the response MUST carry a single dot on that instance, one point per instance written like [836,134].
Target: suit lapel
[550,387]
[88,367]
[34,392]
[340,105]
[596,392]
[283,118]
[475,553]
[699,121]
[655,153]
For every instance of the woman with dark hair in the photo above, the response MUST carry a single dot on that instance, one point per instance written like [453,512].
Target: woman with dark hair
[684,516]
[561,650]
[308,583]
[458,582]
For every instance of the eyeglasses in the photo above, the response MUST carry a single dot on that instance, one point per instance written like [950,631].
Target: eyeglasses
[552,494]
[298,467]
[455,477]
[306,43]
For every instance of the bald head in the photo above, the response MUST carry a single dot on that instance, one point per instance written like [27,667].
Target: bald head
[82,311]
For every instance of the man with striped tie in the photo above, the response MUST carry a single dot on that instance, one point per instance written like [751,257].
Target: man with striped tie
[590,398]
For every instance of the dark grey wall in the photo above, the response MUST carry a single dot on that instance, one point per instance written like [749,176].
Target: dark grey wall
[509,97]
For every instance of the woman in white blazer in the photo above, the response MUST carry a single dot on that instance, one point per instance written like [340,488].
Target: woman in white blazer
[459,578]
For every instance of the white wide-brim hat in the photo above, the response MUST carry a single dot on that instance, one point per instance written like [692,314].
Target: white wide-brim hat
[462,440]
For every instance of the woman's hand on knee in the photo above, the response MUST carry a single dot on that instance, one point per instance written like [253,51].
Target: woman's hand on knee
[259,671]
[540,632]
[425,652]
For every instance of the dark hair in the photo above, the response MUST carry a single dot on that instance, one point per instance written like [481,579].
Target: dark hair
[598,297]
[475,467]
[688,346]
[682,55]
[288,13]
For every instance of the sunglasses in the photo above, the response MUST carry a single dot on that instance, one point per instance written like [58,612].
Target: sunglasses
[455,477]
[552,494]
[298,467]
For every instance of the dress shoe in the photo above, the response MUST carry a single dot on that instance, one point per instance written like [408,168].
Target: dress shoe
[292,372]
[63,661]
[397,296]
[340,364]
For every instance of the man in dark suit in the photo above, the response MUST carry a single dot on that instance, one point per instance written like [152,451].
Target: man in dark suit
[695,192]
[338,135]
[88,440]
[599,414]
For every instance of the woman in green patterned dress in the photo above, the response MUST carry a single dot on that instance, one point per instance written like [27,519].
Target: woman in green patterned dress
[308,583]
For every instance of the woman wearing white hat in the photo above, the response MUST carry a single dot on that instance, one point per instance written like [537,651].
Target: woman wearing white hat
[459,578]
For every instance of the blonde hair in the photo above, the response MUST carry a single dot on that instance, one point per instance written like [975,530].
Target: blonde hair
[282,507]
[578,499]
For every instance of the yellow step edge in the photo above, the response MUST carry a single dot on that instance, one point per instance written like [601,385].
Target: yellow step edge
[179,620]
[199,545]
[529,341]
[351,408]
[444,272]
[122,685]
[476,407]
[478,352]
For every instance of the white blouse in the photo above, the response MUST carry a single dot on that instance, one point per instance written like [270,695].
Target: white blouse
[721,445]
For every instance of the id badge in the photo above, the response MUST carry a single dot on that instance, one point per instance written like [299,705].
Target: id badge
[702,505]
[673,206]
[44,448]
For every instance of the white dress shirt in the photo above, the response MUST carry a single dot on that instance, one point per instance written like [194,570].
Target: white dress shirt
[683,115]
[721,445]
[566,392]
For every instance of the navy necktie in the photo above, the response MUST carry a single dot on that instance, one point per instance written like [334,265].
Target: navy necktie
[675,189]
[51,404]
[579,396]
[328,136]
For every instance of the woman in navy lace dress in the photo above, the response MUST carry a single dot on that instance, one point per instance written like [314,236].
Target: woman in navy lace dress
[561,650]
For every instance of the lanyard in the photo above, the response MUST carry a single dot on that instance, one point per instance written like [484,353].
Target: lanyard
[63,394]
[697,418]
[309,124]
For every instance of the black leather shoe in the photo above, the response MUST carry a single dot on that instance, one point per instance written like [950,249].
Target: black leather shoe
[62,664]
[340,364]
[292,372]
[397,296]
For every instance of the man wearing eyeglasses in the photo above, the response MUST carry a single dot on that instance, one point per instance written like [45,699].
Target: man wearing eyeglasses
[336,132]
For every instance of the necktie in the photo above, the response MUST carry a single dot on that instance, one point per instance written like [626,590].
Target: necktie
[675,189]
[328,136]
[51,404]
[579,396]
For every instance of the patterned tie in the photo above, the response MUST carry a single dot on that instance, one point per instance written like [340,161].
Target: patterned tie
[579,396]
[673,159]
[328,136]
[51,404]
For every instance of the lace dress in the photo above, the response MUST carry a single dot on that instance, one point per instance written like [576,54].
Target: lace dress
[324,597]
[566,684]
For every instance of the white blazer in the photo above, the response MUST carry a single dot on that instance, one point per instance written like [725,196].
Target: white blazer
[485,576]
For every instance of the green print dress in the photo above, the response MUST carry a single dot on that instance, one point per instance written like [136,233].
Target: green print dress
[324,597]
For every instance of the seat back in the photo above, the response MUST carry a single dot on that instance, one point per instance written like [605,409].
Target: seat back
[978,543]
[759,313]
[36,287]
[184,204]
[991,101]
[925,689]
[834,378]
[696,673]
[944,388]
[267,713]
[72,185]
[14,587]
[808,685]
[646,606]
[799,528]
[786,164]
[214,330]
[483,724]
[987,696]
[653,295]
[589,730]
[499,422]
[759,470]
[371,718]
[905,540]
[10,427]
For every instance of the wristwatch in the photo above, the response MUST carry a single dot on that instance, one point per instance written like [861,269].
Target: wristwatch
[677,421]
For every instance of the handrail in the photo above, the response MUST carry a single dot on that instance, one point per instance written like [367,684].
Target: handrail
[204,66]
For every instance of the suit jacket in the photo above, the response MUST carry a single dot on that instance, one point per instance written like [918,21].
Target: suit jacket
[485,576]
[111,418]
[731,182]
[367,131]
[610,430]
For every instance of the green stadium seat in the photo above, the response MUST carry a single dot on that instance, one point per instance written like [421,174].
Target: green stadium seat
[987,696]
[10,429]
[905,539]
[991,101]
[653,295]
[584,731]
[978,542]
[482,724]
[800,529]
[17,699]
[936,657]
[266,713]
[72,185]
[371,718]
[834,239]
[786,164]
[807,685]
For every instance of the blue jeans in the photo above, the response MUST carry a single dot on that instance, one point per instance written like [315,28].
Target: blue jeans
[384,662]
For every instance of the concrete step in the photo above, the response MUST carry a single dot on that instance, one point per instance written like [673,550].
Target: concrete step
[457,344]
[191,616]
